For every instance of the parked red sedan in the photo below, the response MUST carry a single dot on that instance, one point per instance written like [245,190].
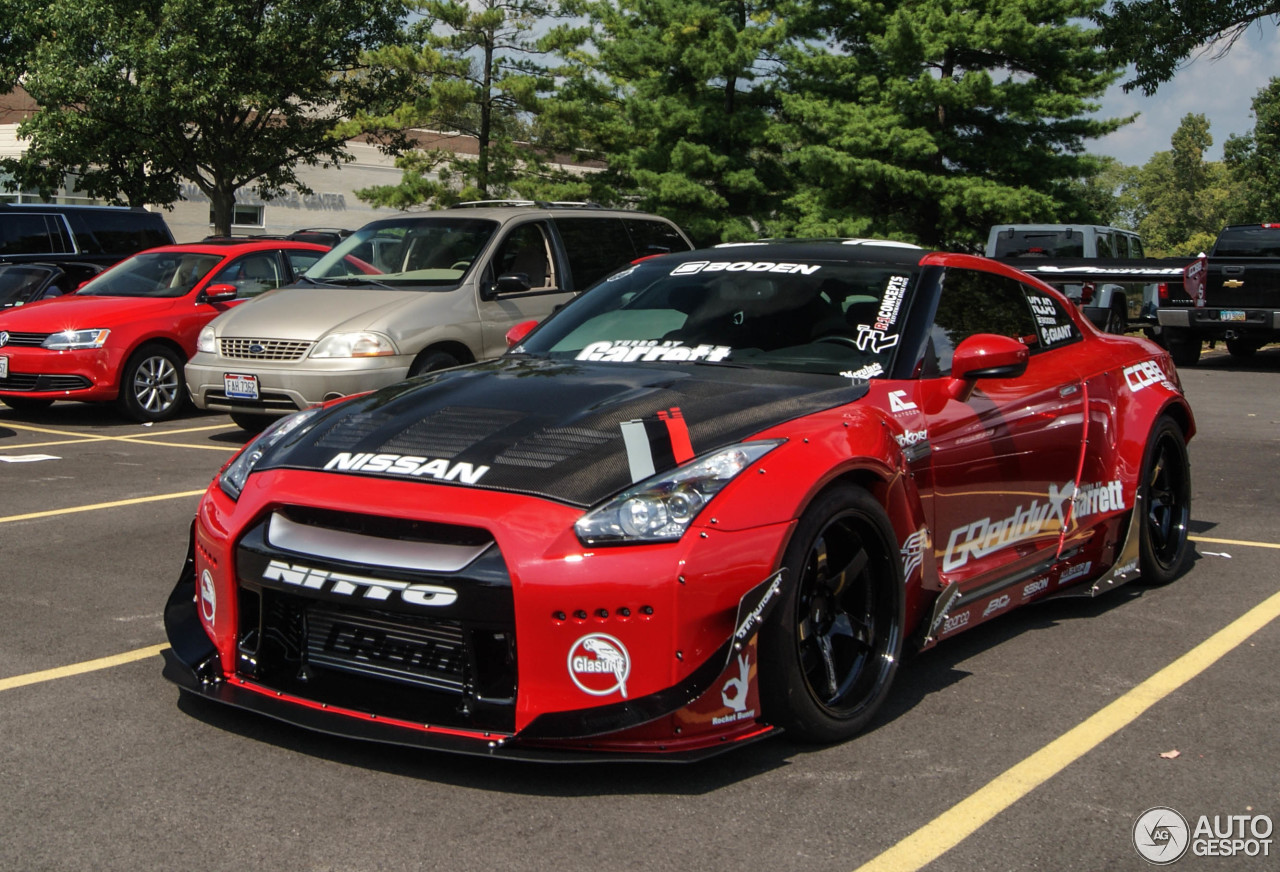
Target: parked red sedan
[125,336]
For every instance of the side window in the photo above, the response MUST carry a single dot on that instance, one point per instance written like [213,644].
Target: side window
[975,302]
[252,274]
[1104,246]
[1122,246]
[34,234]
[1135,246]
[301,261]
[1053,324]
[525,252]
[595,247]
[650,236]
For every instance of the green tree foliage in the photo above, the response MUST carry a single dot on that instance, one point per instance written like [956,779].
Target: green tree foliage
[1184,198]
[928,121]
[1158,36]
[137,96]
[678,98]
[476,69]
[1254,161]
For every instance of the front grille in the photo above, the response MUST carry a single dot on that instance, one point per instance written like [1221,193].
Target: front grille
[26,340]
[318,624]
[263,349]
[21,381]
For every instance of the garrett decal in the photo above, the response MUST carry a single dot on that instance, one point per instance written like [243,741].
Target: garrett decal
[208,597]
[406,464]
[342,584]
[733,693]
[764,266]
[1092,499]
[631,350]
[986,536]
[600,665]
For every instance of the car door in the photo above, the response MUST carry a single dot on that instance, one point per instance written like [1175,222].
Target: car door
[524,251]
[1004,458]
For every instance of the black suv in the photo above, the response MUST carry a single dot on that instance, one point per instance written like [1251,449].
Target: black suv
[93,234]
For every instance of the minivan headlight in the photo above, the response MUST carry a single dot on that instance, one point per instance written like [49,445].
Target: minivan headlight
[207,341]
[354,345]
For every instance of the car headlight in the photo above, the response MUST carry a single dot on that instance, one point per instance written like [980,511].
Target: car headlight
[354,345]
[207,341]
[661,508]
[236,473]
[69,340]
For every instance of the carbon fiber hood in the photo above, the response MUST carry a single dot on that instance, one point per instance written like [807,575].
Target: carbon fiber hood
[552,429]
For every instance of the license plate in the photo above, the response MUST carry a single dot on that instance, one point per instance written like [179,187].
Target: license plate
[4,367]
[1231,315]
[240,387]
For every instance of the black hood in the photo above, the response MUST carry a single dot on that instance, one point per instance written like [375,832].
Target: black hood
[553,429]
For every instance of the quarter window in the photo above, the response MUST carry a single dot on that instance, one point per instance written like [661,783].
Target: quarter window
[975,302]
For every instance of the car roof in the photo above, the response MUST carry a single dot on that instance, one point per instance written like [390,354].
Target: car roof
[854,249]
[503,211]
[232,247]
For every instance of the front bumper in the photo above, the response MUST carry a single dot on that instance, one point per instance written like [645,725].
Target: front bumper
[88,374]
[284,389]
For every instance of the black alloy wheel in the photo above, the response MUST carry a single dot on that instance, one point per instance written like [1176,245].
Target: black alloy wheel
[1166,506]
[830,649]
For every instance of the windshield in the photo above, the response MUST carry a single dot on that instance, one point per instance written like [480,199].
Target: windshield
[1039,243]
[18,283]
[832,317]
[153,274]
[413,251]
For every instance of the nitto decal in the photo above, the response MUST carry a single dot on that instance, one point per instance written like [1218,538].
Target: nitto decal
[899,403]
[1143,375]
[996,605]
[600,665]
[406,464]
[1034,587]
[913,552]
[342,584]
[632,350]
[1055,334]
[1074,572]
[733,693]
[871,370]
[1093,499]
[987,536]
[873,340]
[208,597]
[764,266]
[892,303]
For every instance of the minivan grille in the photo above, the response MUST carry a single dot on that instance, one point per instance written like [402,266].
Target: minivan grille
[263,349]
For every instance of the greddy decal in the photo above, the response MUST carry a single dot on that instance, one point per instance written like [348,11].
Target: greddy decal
[632,350]
[764,266]
[600,665]
[343,584]
[406,464]
[987,536]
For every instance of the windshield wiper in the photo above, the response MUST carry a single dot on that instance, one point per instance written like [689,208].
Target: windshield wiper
[352,281]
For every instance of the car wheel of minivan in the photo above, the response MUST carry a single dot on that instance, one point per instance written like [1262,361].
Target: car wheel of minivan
[249,422]
[431,362]
[151,386]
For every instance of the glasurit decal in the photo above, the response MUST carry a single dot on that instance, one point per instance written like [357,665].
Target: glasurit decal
[988,536]
[1143,375]
[600,665]
[751,266]
[406,464]
[632,350]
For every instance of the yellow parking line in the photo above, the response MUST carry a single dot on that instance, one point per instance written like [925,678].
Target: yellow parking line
[963,819]
[80,668]
[52,513]
[1235,542]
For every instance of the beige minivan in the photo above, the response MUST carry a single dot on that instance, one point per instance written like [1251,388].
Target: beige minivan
[405,295]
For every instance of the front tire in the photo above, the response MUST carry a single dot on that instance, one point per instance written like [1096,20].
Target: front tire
[1166,491]
[432,362]
[152,386]
[830,649]
[249,422]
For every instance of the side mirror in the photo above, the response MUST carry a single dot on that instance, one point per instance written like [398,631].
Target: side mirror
[985,355]
[217,294]
[517,333]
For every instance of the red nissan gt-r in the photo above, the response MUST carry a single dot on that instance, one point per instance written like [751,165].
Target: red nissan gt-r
[712,498]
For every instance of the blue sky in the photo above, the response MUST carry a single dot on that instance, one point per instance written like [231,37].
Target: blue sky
[1219,88]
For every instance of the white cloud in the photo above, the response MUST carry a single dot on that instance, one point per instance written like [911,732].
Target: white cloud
[1220,88]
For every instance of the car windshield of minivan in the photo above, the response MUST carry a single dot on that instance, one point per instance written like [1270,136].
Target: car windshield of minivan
[410,252]
[153,274]
[837,318]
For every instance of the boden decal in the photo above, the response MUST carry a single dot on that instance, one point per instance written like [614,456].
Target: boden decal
[599,665]
[1044,311]
[763,266]
[345,584]
[632,350]
[733,693]
[410,465]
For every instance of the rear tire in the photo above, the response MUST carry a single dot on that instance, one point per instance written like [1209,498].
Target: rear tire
[1242,349]
[1184,347]
[829,650]
[1117,320]
[1166,491]
[152,387]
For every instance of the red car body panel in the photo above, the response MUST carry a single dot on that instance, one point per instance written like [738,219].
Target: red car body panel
[1026,489]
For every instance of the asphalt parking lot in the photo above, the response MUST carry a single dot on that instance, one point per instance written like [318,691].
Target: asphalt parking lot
[1032,742]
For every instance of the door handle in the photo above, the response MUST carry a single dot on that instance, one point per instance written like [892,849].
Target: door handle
[1068,390]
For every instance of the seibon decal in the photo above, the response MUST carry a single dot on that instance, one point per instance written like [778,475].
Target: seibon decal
[750,266]
[410,465]
[643,350]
